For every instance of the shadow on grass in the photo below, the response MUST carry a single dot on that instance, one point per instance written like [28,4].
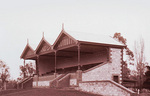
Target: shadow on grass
[4,92]
[45,92]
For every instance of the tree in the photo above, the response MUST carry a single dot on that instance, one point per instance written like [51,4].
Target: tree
[123,40]
[27,70]
[140,61]
[126,70]
[146,83]
[4,73]
[23,71]
[129,53]
[30,69]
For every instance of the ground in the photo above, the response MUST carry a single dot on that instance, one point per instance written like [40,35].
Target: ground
[145,94]
[44,92]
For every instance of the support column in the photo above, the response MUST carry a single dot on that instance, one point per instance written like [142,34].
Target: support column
[79,71]
[24,66]
[55,64]
[37,63]
[122,68]
[37,71]
[78,56]
[108,53]
[24,62]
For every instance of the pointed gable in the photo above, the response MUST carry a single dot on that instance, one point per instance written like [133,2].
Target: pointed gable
[28,51]
[43,46]
[63,40]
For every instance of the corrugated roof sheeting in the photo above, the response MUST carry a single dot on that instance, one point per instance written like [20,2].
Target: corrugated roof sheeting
[96,38]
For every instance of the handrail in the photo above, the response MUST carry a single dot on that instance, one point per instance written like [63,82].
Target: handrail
[63,77]
[26,81]
[113,82]
[95,67]
[46,78]
[53,83]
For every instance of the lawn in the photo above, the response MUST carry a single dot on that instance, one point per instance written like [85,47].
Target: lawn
[44,92]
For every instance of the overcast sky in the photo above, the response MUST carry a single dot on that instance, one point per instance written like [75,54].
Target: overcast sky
[22,19]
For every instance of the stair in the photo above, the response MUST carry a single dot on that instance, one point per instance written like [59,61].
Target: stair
[64,81]
[61,81]
[55,82]
[67,88]
[27,82]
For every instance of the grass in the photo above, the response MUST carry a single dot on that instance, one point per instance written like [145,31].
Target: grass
[44,92]
[4,92]
[144,94]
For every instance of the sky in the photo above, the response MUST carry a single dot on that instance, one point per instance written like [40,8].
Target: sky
[28,19]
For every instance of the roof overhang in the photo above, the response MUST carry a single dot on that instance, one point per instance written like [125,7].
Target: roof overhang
[28,51]
[102,44]
[43,47]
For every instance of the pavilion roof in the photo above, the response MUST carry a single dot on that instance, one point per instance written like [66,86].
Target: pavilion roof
[33,46]
[39,45]
[26,49]
[79,36]
[95,38]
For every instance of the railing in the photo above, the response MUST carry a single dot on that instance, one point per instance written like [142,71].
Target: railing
[105,87]
[64,81]
[101,64]
[73,76]
[27,83]
[46,78]
[53,83]
[22,82]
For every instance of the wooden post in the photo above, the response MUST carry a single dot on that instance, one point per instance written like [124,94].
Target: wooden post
[55,62]
[37,63]
[24,66]
[37,71]
[24,62]
[78,56]
[4,85]
[79,71]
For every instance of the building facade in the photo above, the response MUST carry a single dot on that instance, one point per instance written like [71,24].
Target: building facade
[76,59]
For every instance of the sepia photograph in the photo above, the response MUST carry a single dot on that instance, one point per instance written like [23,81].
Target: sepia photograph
[74,48]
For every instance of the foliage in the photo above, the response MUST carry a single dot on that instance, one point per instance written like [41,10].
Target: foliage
[19,79]
[27,70]
[123,40]
[4,72]
[120,38]
[129,53]
[136,58]
[139,57]
[146,83]
[126,71]
[140,61]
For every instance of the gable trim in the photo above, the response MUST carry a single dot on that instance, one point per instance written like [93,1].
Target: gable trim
[42,40]
[28,47]
[59,36]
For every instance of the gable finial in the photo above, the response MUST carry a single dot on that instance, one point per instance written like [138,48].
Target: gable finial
[62,26]
[43,34]
[27,41]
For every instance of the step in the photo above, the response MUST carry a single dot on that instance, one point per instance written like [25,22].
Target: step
[67,88]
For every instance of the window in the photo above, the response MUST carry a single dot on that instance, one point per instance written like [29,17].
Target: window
[116,78]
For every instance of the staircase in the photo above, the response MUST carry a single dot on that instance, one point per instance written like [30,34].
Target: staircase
[66,81]
[25,83]
[43,81]
[55,81]
[63,82]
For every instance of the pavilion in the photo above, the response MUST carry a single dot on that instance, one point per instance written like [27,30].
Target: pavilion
[75,59]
